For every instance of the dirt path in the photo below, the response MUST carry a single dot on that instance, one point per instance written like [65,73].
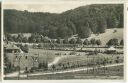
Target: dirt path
[65,71]
[55,61]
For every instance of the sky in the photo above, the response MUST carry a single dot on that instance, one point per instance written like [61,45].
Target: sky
[52,6]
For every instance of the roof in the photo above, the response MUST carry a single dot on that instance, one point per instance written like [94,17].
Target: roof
[11,46]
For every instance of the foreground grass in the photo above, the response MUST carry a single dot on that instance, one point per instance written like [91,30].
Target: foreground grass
[115,72]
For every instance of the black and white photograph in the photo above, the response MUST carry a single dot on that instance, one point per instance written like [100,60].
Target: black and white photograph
[63,41]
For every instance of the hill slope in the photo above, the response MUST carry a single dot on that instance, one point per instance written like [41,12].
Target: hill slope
[109,34]
[82,21]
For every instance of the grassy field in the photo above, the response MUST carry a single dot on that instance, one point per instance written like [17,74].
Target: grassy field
[115,73]
[109,34]
[79,59]
[46,55]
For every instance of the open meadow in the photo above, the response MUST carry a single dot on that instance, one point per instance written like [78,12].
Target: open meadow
[64,63]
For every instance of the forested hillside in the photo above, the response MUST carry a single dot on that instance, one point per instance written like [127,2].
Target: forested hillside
[83,21]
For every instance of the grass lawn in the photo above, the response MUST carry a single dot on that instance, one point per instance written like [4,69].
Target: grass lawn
[80,58]
[49,55]
[114,73]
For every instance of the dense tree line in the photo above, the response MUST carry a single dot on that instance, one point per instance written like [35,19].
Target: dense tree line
[37,38]
[83,21]
[115,42]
